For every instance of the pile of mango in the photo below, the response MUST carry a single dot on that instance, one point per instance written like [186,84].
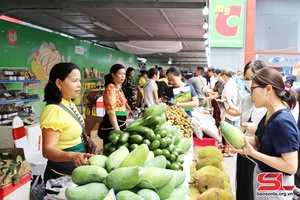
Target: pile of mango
[209,178]
[135,175]
[161,137]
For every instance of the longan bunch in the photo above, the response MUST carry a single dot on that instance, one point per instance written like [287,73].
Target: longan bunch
[177,116]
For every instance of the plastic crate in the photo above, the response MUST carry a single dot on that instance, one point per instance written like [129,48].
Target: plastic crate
[205,142]
[19,191]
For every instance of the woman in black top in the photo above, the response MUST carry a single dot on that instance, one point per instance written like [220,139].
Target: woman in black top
[129,88]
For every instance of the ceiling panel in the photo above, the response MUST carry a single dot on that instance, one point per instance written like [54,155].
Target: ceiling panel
[148,20]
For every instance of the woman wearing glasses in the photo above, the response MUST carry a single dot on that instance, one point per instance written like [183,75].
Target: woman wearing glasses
[250,117]
[276,141]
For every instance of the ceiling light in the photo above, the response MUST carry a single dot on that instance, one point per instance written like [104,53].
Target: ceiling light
[170,61]
[101,25]
[205,11]
[205,36]
[206,42]
[143,60]
[206,49]
[205,25]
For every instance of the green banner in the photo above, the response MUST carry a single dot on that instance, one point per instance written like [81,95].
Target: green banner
[38,51]
[227,23]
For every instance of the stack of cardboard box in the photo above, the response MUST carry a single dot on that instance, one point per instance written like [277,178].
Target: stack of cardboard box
[91,127]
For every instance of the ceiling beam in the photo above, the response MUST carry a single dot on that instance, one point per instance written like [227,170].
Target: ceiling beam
[191,51]
[126,39]
[96,4]
[185,62]
[176,58]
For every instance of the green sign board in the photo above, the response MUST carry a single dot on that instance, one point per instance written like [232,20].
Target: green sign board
[227,23]
[23,47]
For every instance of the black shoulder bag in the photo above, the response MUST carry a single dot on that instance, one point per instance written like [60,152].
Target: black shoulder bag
[88,142]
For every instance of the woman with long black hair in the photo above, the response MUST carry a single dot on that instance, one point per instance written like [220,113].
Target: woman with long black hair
[115,103]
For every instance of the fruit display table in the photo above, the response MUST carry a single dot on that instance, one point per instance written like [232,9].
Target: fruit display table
[188,161]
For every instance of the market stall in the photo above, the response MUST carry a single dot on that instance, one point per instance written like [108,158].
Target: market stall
[153,158]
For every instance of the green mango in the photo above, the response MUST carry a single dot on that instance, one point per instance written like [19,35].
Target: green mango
[98,160]
[185,144]
[127,195]
[155,110]
[148,194]
[233,135]
[137,157]
[124,178]
[115,159]
[158,161]
[179,191]
[179,176]
[153,121]
[165,191]
[88,173]
[88,191]
[154,177]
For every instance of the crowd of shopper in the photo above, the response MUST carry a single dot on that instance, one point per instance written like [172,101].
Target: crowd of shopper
[258,100]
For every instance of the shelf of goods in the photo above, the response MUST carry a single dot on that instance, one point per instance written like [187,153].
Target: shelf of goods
[16,101]
[93,89]
[19,100]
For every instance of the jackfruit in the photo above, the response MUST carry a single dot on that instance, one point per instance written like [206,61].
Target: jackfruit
[210,152]
[216,194]
[210,170]
[206,181]
[209,161]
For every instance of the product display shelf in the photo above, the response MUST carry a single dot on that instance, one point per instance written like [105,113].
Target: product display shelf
[19,101]
[91,92]
[93,79]
[19,81]
[25,82]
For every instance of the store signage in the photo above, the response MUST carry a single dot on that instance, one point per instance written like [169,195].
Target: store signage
[12,37]
[227,23]
[79,50]
[279,60]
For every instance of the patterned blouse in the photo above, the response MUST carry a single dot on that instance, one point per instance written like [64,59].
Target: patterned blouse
[114,99]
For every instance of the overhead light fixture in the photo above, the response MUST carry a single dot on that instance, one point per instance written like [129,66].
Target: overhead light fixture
[206,42]
[205,25]
[143,60]
[205,36]
[205,11]
[102,25]
[170,61]
[206,49]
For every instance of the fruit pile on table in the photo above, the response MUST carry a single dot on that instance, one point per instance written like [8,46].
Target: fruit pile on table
[152,159]
[209,178]
[147,160]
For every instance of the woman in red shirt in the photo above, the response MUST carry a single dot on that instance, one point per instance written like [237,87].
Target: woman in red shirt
[115,103]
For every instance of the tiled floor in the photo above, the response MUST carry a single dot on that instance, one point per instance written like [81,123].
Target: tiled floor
[231,169]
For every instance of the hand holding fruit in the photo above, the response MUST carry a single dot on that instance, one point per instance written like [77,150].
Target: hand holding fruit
[247,150]
[80,158]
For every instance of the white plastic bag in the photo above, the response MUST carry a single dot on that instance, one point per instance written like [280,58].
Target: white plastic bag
[209,128]
[197,128]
